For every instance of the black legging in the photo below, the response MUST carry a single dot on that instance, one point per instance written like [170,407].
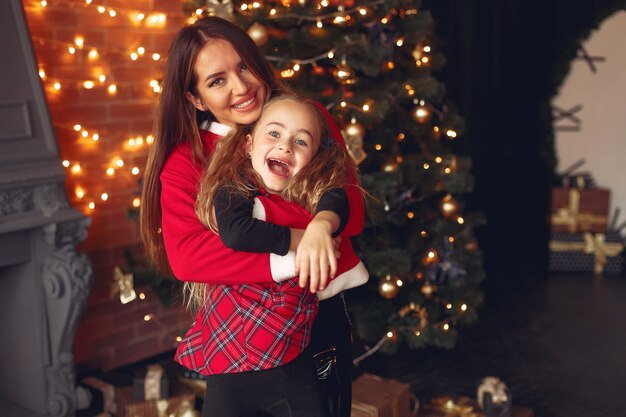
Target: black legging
[291,390]
[332,328]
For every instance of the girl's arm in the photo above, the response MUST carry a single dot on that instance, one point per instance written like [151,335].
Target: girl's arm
[194,252]
[357,214]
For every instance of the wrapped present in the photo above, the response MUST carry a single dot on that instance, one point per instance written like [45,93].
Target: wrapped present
[579,180]
[493,397]
[181,402]
[600,253]
[102,395]
[575,210]
[461,406]
[373,396]
[151,383]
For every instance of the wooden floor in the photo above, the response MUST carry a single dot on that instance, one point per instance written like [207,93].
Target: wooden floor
[559,345]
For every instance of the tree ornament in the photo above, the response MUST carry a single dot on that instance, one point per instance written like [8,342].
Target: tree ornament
[428,289]
[124,284]
[421,114]
[220,8]
[258,33]
[448,206]
[388,287]
[390,165]
[353,134]
[344,74]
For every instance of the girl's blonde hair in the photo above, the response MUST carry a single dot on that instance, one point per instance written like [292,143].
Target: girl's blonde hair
[229,166]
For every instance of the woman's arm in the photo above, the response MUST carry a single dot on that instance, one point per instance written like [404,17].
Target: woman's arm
[355,199]
[195,253]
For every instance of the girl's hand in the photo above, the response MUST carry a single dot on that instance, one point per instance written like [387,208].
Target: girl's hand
[316,258]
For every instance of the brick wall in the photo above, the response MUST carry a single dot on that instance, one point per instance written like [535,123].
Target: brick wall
[110,334]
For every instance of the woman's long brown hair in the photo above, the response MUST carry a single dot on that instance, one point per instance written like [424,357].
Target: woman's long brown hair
[177,120]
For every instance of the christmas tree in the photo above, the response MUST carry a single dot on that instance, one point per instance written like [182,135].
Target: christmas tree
[371,63]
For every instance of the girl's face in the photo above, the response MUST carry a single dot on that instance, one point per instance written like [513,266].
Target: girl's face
[226,86]
[284,140]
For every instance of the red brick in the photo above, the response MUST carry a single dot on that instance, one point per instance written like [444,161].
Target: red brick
[140,109]
[51,17]
[126,353]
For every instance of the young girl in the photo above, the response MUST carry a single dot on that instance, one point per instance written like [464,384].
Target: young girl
[265,326]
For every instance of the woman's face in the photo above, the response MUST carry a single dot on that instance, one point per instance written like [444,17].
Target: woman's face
[284,140]
[226,86]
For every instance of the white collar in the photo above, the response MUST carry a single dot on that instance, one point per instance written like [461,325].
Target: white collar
[216,128]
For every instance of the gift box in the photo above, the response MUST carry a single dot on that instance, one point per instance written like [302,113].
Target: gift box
[151,383]
[181,402]
[461,406]
[580,210]
[373,396]
[586,252]
[102,398]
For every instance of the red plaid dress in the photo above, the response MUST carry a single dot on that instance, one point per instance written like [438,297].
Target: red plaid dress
[249,327]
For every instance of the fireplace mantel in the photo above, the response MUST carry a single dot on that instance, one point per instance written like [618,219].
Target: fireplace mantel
[44,282]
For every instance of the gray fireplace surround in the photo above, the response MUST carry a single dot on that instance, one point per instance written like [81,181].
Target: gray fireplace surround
[44,282]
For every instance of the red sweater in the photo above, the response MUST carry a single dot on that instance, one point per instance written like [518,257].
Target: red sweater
[195,253]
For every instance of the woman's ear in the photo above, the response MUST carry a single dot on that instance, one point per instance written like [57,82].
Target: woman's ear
[195,101]
[249,145]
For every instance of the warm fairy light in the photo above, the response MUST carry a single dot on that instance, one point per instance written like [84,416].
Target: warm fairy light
[451,133]
[460,220]
[80,193]
[104,196]
[378,146]
[93,54]
[435,129]
[141,50]
[76,168]
[319,24]
[446,327]
[423,233]
[139,140]
[198,12]
[156,57]
[400,42]
[149,139]
[331,55]
[431,255]
[287,73]
[101,9]
[119,162]
[131,142]
[427,48]
[418,333]
[77,127]
[42,74]
[88,84]
[363,12]
[296,67]
[140,16]
[390,65]
[65,163]
[399,282]
[244,7]
[384,20]
[400,137]
[179,339]
[84,133]
[256,5]
[366,107]
[135,171]
[451,239]
[390,334]
[136,202]
[343,104]
[112,13]
[272,12]
[102,78]
[112,89]
[449,306]
[147,317]
[91,205]
[447,170]
[142,296]
[57,86]
[71,50]
[110,171]
[44,3]
[134,56]
[88,1]
[426,165]
[425,59]
[79,41]
[410,215]
[324,3]
[339,20]
[95,137]
[463,307]
[438,159]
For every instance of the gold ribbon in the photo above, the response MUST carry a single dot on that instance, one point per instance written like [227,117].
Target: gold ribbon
[460,408]
[152,382]
[124,284]
[572,217]
[595,244]
[494,386]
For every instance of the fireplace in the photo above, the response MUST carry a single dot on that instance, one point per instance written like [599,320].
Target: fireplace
[44,282]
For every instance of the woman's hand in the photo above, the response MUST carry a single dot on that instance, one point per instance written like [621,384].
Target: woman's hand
[316,255]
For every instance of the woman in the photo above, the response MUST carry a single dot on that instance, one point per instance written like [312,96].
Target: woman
[217,77]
